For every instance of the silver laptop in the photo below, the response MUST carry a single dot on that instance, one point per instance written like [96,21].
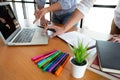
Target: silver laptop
[12,33]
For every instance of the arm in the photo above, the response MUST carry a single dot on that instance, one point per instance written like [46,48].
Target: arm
[39,14]
[54,7]
[40,7]
[40,4]
[76,16]
[81,10]
[59,30]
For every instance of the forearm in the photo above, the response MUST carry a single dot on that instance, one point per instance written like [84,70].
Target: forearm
[41,7]
[81,10]
[54,7]
[76,16]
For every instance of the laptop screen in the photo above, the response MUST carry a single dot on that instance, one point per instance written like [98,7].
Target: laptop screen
[8,21]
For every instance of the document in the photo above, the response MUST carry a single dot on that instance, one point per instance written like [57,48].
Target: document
[74,37]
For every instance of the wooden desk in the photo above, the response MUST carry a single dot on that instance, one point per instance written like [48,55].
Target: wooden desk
[16,64]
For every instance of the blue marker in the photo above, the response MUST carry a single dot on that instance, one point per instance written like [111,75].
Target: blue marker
[48,66]
[57,60]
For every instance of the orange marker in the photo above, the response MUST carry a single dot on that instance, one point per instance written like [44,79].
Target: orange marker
[57,73]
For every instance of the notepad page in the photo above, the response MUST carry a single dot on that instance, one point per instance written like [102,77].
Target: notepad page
[73,37]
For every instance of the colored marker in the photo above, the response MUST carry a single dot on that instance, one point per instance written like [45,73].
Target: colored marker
[59,70]
[42,62]
[56,63]
[51,63]
[38,60]
[55,69]
[41,55]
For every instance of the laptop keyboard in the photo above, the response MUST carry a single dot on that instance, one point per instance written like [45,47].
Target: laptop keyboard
[25,36]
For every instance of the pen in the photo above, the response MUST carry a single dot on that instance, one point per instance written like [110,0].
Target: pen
[48,29]
[54,70]
[91,47]
[41,55]
[59,70]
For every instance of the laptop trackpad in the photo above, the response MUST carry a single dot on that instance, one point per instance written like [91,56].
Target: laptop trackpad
[39,38]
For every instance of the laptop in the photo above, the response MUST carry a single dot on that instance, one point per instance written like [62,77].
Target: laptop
[13,34]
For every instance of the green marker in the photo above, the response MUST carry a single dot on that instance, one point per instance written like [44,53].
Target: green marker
[44,61]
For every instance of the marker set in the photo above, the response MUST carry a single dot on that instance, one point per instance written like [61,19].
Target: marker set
[52,61]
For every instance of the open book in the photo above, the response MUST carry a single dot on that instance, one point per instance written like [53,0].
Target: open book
[73,37]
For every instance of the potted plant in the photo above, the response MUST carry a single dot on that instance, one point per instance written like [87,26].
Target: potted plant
[79,61]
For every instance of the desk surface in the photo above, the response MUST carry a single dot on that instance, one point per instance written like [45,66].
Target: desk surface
[16,64]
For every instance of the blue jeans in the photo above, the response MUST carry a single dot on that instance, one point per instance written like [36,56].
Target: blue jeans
[62,19]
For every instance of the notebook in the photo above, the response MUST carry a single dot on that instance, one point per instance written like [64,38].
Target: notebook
[13,34]
[109,56]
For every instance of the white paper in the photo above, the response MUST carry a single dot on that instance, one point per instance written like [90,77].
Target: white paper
[74,37]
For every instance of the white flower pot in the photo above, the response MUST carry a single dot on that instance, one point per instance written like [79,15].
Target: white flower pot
[78,71]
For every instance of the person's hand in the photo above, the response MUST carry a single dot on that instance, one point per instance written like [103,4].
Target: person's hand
[44,22]
[39,14]
[58,30]
[115,38]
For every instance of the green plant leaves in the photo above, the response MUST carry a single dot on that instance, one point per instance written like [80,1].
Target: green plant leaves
[80,52]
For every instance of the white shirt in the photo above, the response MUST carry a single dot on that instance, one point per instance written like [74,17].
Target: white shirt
[117,15]
[84,6]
